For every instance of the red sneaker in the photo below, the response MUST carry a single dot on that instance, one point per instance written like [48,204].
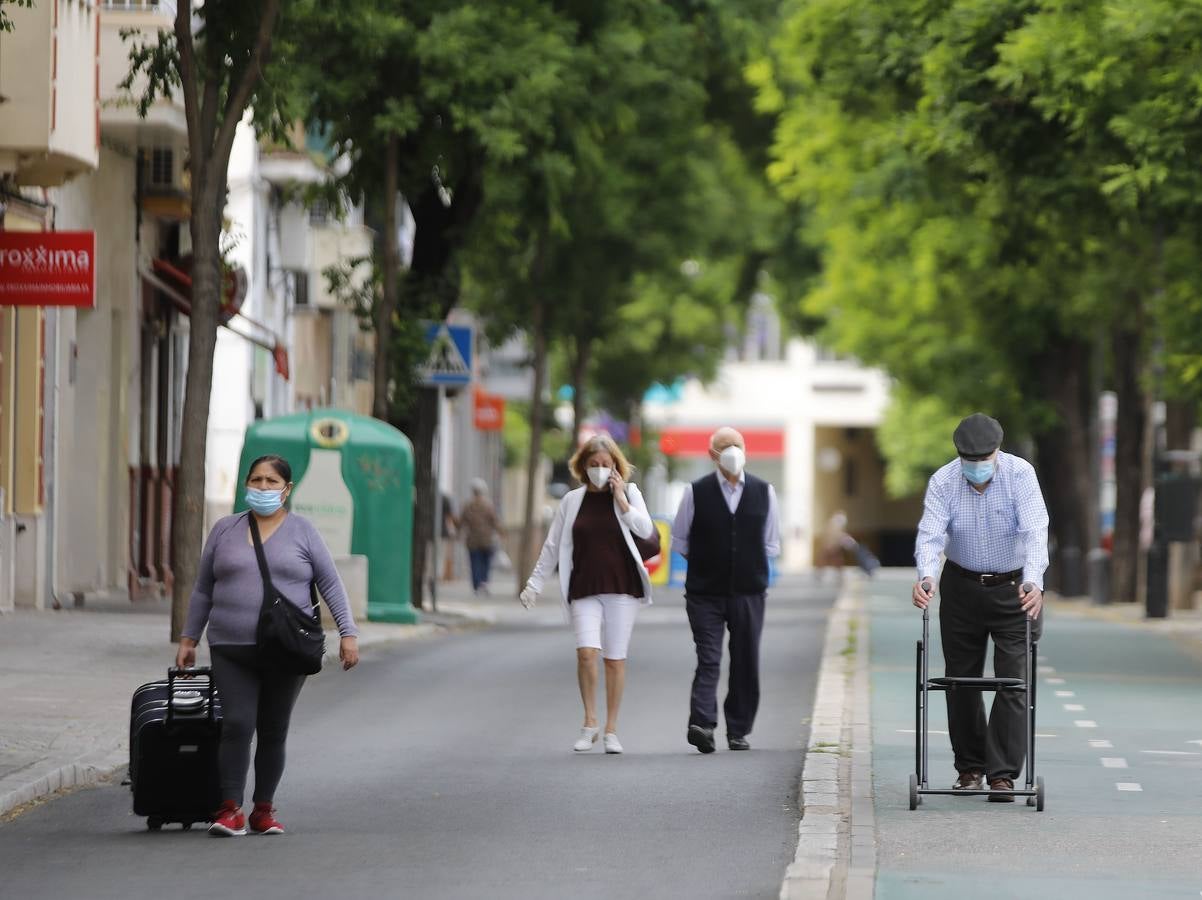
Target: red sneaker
[263,820]
[228,821]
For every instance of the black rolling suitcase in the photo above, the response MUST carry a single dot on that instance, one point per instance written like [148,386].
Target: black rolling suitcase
[174,729]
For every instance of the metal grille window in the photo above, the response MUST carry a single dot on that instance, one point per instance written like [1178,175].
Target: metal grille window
[162,167]
[300,287]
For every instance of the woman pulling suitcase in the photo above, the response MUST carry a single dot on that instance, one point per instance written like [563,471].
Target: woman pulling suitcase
[258,691]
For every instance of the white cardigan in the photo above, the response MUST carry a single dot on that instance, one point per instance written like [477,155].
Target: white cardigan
[557,548]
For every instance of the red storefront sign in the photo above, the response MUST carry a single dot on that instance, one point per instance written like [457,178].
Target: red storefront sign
[764,443]
[489,411]
[48,268]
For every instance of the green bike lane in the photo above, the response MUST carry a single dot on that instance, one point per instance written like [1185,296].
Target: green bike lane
[1118,742]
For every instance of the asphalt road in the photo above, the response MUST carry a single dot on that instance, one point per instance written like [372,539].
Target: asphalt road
[444,768]
[1119,744]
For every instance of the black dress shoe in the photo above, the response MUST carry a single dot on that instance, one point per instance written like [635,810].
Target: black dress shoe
[702,738]
[737,743]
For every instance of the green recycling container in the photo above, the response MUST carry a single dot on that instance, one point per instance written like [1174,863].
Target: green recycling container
[354,481]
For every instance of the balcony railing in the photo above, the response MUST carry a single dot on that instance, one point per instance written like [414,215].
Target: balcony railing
[167,7]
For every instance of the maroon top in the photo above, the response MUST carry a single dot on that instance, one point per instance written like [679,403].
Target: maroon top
[601,560]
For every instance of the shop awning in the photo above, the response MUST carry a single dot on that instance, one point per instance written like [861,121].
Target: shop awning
[180,295]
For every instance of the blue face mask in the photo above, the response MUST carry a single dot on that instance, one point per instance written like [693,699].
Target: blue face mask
[978,471]
[265,503]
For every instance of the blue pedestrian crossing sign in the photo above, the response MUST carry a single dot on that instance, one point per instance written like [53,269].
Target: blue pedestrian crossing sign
[449,363]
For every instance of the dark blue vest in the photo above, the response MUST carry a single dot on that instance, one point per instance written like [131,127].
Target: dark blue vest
[726,551]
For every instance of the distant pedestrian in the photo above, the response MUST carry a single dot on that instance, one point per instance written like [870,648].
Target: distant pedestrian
[601,575]
[481,531]
[985,511]
[835,543]
[257,697]
[727,527]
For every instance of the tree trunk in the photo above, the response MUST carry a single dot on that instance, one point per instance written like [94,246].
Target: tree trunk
[1128,460]
[529,539]
[187,519]
[580,364]
[1065,464]
[390,265]
[424,487]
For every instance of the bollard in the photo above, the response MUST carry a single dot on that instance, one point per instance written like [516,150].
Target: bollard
[1158,580]
[1099,577]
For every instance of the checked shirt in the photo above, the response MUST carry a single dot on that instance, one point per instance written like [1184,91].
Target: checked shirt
[1001,530]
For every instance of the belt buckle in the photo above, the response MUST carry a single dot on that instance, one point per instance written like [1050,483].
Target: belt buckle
[982,578]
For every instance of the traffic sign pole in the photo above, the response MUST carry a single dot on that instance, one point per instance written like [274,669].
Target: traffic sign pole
[436,466]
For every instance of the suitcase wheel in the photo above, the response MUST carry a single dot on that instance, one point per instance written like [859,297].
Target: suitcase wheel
[154,824]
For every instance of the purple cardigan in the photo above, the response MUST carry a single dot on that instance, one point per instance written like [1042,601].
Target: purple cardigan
[229,589]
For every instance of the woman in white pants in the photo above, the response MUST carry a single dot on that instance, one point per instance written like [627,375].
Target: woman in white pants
[601,575]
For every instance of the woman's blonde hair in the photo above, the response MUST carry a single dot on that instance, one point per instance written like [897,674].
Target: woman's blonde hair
[596,444]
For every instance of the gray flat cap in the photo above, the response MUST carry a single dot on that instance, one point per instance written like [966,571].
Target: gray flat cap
[978,435]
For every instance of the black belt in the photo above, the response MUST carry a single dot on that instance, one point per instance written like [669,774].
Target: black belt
[985,579]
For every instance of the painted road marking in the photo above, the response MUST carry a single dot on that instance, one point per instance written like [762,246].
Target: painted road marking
[1065,694]
[1085,723]
[1194,742]
[1047,670]
[1128,785]
[1101,745]
[1061,681]
[1172,752]
[1074,707]
[933,731]
[1114,762]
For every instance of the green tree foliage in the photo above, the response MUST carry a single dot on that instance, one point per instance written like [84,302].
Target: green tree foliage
[6,22]
[994,190]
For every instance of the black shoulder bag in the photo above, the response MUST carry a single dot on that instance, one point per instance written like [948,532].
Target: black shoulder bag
[287,637]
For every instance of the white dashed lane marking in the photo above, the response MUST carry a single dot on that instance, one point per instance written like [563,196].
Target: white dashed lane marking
[1065,694]
[1055,681]
[1101,745]
[1128,786]
[1114,762]
[1171,752]
[1074,707]
[1046,670]
[1085,723]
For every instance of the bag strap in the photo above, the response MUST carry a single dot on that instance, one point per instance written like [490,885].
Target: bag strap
[264,571]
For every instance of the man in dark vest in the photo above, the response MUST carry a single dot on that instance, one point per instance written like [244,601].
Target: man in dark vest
[727,528]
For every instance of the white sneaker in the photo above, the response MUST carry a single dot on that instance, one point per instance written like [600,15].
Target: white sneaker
[588,737]
[612,744]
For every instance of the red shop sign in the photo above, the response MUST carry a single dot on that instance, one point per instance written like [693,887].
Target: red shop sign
[489,411]
[48,268]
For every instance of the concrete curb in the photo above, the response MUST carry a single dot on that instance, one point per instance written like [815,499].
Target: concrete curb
[836,846]
[103,764]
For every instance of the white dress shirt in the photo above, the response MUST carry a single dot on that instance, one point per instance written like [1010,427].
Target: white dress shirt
[733,494]
[1001,529]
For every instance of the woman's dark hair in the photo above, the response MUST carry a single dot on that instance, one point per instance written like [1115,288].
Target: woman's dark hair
[281,466]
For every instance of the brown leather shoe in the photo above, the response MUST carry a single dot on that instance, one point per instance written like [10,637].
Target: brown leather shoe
[969,781]
[1001,784]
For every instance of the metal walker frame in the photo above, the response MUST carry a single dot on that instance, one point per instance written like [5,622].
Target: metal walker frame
[919,785]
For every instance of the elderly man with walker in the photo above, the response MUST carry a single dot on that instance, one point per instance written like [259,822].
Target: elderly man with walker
[985,512]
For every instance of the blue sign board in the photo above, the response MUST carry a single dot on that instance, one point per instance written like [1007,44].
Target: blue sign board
[449,363]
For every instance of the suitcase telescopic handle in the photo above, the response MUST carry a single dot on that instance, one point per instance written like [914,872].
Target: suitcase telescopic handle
[175,672]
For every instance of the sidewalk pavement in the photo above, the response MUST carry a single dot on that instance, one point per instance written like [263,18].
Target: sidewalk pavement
[1118,741]
[67,676]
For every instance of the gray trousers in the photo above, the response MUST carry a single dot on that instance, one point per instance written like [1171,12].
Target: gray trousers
[255,699]
[969,615]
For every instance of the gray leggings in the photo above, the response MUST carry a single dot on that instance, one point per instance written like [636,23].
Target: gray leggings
[254,698]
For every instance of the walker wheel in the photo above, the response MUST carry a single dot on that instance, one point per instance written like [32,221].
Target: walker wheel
[154,824]
[914,798]
[1039,794]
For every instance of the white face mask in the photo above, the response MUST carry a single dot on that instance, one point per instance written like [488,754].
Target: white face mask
[599,476]
[732,460]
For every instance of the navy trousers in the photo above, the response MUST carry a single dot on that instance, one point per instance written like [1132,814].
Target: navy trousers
[710,618]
